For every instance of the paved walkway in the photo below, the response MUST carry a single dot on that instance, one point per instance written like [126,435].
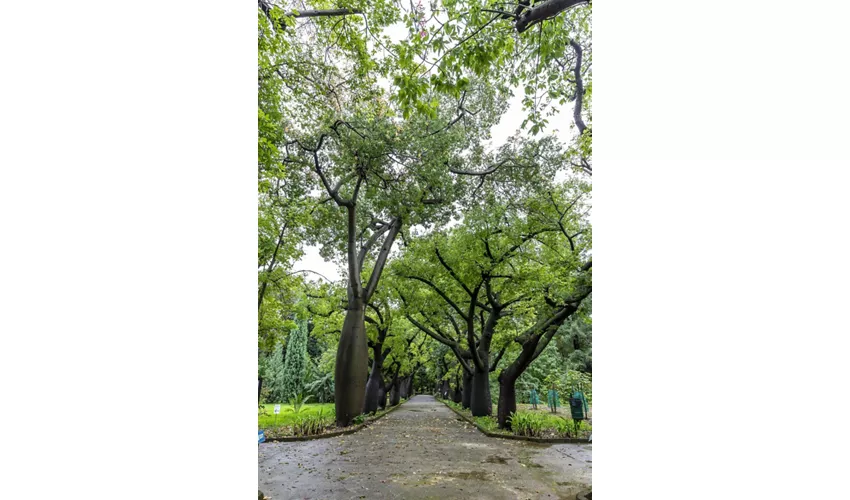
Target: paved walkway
[422,450]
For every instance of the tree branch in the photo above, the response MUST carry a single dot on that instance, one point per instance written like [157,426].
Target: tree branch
[544,10]
[395,226]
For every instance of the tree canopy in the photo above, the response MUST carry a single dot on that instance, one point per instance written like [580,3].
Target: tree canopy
[460,258]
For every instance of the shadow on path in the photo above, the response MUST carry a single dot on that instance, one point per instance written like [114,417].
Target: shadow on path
[422,450]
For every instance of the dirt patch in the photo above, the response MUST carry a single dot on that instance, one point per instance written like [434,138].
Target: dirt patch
[479,475]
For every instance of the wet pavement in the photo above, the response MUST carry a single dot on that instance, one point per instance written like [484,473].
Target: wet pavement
[422,450]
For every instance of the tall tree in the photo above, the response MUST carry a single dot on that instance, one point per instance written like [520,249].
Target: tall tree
[523,260]
[296,361]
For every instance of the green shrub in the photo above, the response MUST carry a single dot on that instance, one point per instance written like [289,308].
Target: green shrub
[298,401]
[311,425]
[564,427]
[489,424]
[527,424]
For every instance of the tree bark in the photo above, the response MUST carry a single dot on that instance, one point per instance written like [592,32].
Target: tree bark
[373,386]
[404,388]
[458,391]
[480,404]
[507,400]
[467,389]
[352,362]
[542,11]
[444,389]
[394,393]
[382,395]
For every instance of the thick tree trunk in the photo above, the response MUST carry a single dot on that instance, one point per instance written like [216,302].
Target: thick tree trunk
[394,394]
[382,394]
[373,386]
[352,363]
[467,389]
[403,390]
[444,389]
[458,392]
[507,400]
[480,404]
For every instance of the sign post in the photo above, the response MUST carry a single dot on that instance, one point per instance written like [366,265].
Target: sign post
[276,411]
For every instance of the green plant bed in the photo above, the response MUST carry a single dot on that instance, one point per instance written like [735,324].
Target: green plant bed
[320,422]
[266,417]
[530,424]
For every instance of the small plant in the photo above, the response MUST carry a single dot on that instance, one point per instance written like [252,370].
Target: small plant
[359,419]
[310,425]
[298,401]
[486,423]
[564,427]
[527,424]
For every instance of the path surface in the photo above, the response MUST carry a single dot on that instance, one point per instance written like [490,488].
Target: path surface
[422,450]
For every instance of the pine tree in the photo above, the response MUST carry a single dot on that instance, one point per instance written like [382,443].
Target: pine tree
[296,361]
[274,375]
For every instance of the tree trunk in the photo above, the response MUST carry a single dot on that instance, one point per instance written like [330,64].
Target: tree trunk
[394,394]
[382,394]
[458,392]
[373,386]
[479,403]
[507,400]
[467,389]
[444,389]
[352,363]
[404,388]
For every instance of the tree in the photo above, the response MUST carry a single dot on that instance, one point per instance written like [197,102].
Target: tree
[456,40]
[521,260]
[295,361]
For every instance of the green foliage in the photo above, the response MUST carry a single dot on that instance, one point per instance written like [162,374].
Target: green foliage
[527,424]
[267,419]
[314,424]
[469,42]
[298,401]
[322,388]
[489,424]
[274,380]
[295,362]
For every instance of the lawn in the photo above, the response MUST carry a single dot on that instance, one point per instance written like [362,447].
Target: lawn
[288,417]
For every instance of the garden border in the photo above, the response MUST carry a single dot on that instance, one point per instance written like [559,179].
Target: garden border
[517,438]
[354,429]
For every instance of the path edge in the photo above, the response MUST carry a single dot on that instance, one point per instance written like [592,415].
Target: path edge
[511,436]
[354,429]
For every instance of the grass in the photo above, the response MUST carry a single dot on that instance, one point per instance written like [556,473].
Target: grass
[288,417]
[535,423]
[313,419]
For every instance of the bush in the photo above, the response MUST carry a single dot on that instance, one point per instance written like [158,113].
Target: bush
[311,425]
[527,424]
[489,424]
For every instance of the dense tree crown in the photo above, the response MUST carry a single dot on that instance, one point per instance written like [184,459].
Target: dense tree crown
[466,265]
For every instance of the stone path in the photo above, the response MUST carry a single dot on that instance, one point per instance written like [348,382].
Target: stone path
[422,450]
